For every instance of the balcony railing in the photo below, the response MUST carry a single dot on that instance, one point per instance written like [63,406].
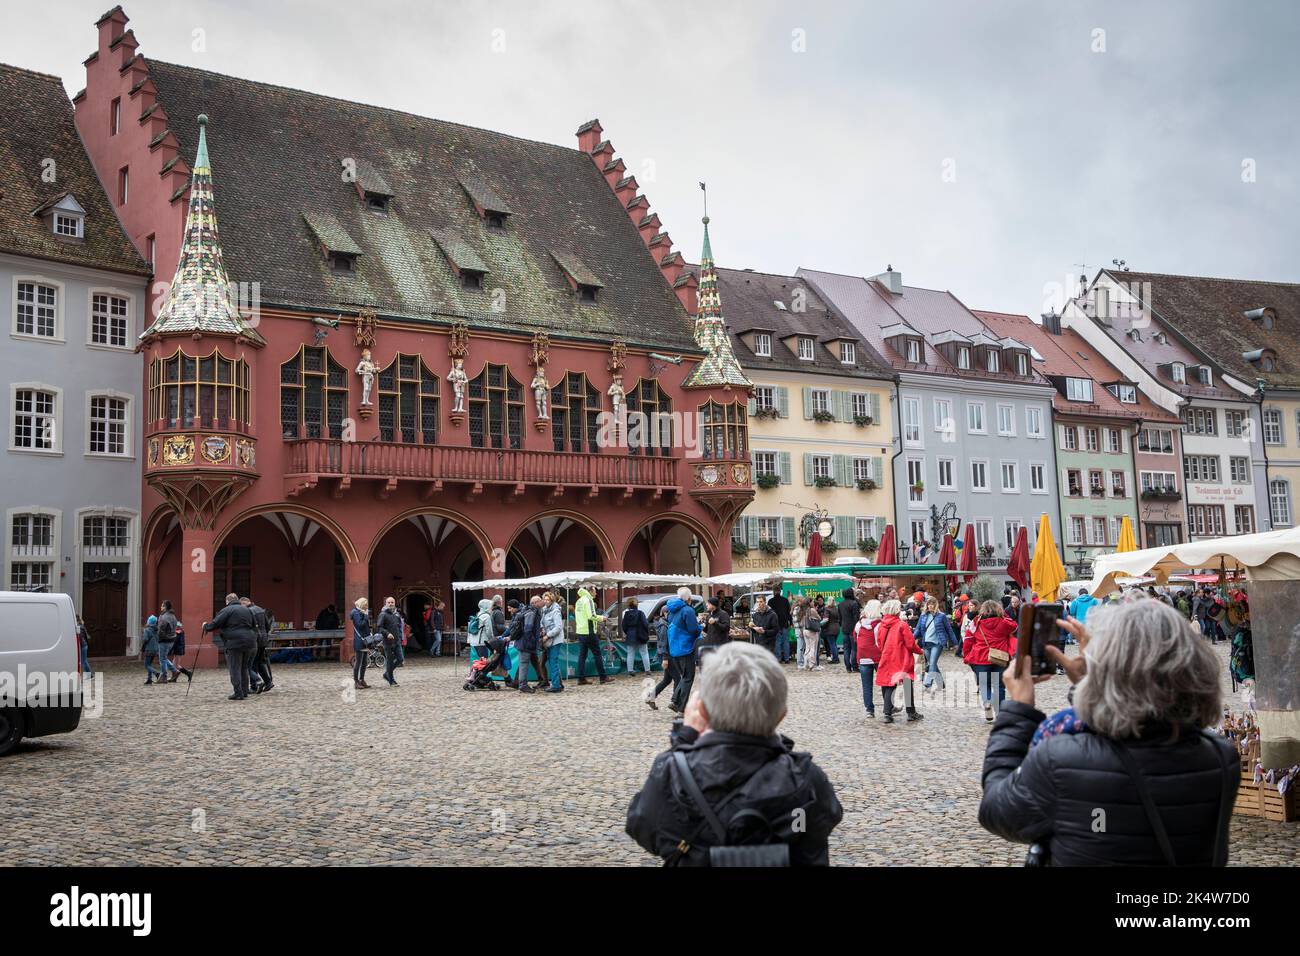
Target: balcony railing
[323,457]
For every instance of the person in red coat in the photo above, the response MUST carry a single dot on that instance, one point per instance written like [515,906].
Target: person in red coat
[868,653]
[994,631]
[897,664]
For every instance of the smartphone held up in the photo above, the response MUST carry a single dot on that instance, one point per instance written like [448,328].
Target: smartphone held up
[1039,630]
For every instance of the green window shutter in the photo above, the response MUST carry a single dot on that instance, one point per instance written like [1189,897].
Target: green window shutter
[753,463]
[844,531]
[878,470]
[783,401]
[786,477]
[875,411]
[807,468]
[751,532]
[807,402]
[752,405]
[843,469]
[787,532]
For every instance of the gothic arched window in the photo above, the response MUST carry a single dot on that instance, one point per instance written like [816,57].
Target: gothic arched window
[496,409]
[313,395]
[408,402]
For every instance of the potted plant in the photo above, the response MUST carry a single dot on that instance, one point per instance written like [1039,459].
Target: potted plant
[829,546]
[768,546]
[868,545]
[766,411]
[823,481]
[862,421]
[986,550]
[767,480]
[823,416]
[739,549]
[867,484]
[919,487]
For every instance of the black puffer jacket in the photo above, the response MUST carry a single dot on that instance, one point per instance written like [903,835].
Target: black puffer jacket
[850,611]
[763,774]
[1072,793]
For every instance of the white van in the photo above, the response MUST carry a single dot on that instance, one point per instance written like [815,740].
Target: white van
[40,667]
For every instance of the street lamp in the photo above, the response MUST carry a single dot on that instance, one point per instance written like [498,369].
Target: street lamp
[1080,554]
[694,549]
[904,552]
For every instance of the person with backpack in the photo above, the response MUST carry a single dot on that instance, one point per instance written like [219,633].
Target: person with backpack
[166,633]
[527,643]
[170,627]
[479,628]
[149,650]
[727,791]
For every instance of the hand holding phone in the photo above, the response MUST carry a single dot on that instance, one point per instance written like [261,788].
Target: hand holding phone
[1038,631]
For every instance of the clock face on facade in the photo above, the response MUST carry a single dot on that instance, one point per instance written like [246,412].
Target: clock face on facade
[741,474]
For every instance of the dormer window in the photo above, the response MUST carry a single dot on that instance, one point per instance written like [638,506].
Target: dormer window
[1022,363]
[1263,359]
[587,293]
[806,352]
[913,351]
[763,345]
[1135,335]
[1125,393]
[848,353]
[1160,337]
[495,220]
[1178,372]
[1263,316]
[991,361]
[1078,389]
[378,203]
[67,226]
[340,251]
[963,356]
[1204,375]
[470,279]
[342,262]
[491,208]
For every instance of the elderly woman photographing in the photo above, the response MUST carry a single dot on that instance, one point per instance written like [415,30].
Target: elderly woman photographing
[1128,776]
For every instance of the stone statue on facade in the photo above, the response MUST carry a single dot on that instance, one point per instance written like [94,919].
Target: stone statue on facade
[459,380]
[616,394]
[367,370]
[542,392]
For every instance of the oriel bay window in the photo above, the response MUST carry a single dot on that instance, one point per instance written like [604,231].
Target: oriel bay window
[724,431]
[191,392]
[575,414]
[313,395]
[496,409]
[408,402]
[649,419]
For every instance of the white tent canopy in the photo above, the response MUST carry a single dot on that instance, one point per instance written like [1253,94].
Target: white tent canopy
[637,579]
[1268,556]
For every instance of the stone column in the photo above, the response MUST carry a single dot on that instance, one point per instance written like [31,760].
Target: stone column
[1275,631]
[356,584]
[196,600]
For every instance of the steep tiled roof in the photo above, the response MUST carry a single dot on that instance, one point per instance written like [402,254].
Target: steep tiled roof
[719,365]
[36,126]
[200,297]
[280,154]
[750,299]
[1211,314]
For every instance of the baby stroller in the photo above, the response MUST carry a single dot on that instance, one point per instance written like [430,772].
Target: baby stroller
[375,655]
[482,668]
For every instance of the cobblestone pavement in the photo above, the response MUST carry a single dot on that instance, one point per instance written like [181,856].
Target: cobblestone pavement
[426,773]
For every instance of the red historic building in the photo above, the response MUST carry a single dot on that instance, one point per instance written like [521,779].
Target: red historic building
[446,354]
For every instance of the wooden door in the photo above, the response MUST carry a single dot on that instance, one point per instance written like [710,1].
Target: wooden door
[103,604]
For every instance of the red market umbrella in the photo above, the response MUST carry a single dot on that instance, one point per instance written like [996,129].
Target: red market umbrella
[1018,566]
[968,556]
[885,550]
[815,549]
[948,558]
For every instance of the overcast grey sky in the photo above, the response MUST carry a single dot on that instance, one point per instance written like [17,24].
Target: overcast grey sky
[985,148]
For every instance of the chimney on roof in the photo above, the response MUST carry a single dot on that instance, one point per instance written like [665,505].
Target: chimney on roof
[589,135]
[111,26]
[891,280]
[1052,323]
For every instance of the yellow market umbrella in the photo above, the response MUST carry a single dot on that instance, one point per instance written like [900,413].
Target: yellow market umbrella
[1126,540]
[1046,572]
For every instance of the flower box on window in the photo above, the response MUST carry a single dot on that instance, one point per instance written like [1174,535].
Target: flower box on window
[766,411]
[986,550]
[739,549]
[768,546]
[862,421]
[823,416]
[829,546]
[867,484]
[868,545]
[767,480]
[1161,494]
[824,482]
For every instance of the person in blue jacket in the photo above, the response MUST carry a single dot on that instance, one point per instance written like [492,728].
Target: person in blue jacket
[1081,605]
[934,632]
[683,634]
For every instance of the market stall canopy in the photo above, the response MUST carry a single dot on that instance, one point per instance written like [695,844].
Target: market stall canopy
[1268,556]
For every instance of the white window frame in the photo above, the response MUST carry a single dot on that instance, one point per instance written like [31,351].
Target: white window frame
[1178,373]
[865,528]
[1273,422]
[1092,528]
[1034,421]
[1159,432]
[963,357]
[848,353]
[811,355]
[1078,389]
[945,426]
[983,532]
[14,389]
[913,351]
[912,422]
[863,470]
[129,341]
[127,431]
[1010,410]
[758,463]
[763,344]
[1279,492]
[1123,483]
[1092,439]
[1014,487]
[983,428]
[825,460]
[764,396]
[861,404]
[913,499]
[78,224]
[1152,484]
[951,483]
[1117,447]
[1245,469]
[60,299]
[1041,467]
[1126,394]
[1010,530]
[1069,438]
[821,400]
[1080,523]
[975,487]
[992,360]
[30,555]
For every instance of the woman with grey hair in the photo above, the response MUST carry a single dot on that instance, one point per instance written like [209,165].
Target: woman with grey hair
[1129,776]
[730,779]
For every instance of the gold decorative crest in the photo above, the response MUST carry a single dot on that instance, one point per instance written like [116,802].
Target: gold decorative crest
[364,334]
[618,355]
[178,450]
[541,349]
[215,449]
[458,348]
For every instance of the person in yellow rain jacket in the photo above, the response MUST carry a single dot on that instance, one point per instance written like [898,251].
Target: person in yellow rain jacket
[586,620]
